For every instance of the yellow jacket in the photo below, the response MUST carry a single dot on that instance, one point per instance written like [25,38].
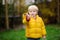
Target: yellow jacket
[34,28]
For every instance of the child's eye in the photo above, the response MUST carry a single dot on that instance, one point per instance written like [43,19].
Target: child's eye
[33,11]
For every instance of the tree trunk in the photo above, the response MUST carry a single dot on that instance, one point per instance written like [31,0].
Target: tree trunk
[6,14]
[58,21]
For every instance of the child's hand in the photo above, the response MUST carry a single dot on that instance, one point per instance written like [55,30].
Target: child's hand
[28,17]
[44,37]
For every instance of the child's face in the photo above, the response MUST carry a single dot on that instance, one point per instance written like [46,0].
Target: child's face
[32,12]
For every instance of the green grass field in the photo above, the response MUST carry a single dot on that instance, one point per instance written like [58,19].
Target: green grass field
[53,33]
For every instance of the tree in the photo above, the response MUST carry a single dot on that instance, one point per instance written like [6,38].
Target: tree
[6,14]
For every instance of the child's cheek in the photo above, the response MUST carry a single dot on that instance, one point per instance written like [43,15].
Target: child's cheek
[34,13]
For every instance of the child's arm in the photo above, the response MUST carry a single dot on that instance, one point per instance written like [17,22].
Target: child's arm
[43,29]
[26,18]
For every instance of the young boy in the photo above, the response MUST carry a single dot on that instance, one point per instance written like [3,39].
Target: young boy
[35,28]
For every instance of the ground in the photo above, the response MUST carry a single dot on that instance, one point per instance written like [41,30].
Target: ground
[53,33]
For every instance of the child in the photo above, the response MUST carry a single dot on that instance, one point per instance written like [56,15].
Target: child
[35,28]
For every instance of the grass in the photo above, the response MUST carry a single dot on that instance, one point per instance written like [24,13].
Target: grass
[53,33]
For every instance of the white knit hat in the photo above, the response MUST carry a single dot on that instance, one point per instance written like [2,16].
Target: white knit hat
[33,7]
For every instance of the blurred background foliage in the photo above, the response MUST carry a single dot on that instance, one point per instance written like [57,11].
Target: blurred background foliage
[48,10]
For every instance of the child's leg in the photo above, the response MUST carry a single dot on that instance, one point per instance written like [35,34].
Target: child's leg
[30,39]
[33,39]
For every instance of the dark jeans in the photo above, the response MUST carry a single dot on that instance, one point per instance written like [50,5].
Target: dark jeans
[33,38]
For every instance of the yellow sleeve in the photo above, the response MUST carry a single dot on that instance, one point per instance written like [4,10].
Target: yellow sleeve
[43,28]
[24,19]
